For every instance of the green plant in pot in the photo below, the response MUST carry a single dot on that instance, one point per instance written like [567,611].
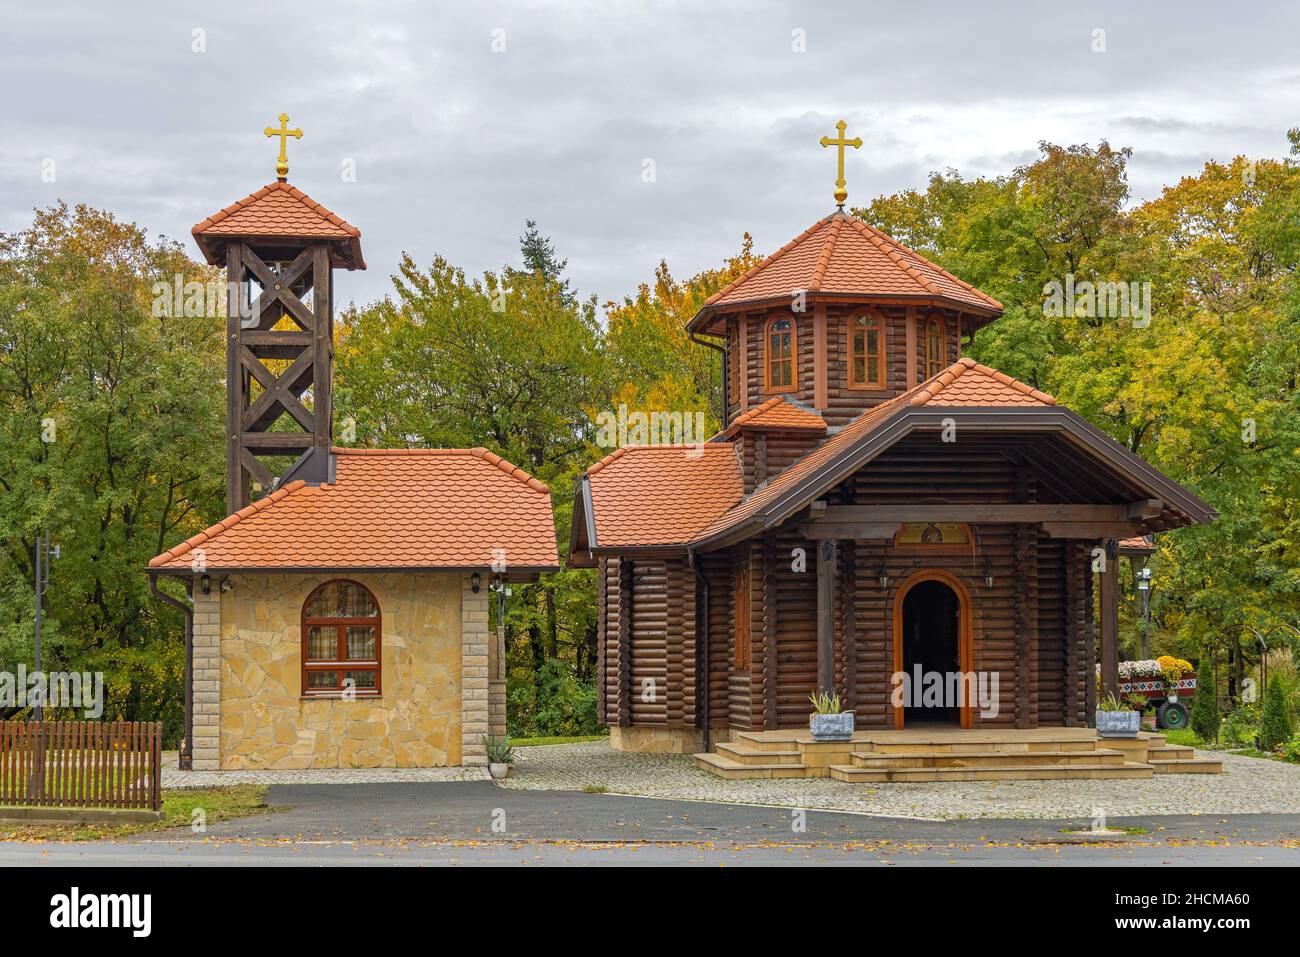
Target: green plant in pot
[501,756]
[1116,718]
[827,722]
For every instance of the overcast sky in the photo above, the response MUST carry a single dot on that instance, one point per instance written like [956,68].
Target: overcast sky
[455,144]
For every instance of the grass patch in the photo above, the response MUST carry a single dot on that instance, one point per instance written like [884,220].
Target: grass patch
[218,804]
[538,742]
[1184,736]
[1256,753]
[594,789]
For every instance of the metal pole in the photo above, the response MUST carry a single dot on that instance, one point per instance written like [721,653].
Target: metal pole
[41,542]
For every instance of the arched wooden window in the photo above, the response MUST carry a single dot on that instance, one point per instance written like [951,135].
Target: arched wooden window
[340,641]
[782,351]
[867,351]
[935,360]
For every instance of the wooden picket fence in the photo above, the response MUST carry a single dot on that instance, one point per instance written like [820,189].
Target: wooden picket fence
[100,764]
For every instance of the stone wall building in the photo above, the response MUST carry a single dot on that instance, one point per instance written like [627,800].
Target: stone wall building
[341,619]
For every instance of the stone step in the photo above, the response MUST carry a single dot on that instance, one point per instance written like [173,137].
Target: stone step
[1188,766]
[975,759]
[1047,772]
[975,747]
[734,770]
[1170,752]
[743,753]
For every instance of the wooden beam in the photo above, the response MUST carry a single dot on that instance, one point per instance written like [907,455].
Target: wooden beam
[1092,529]
[1110,618]
[848,530]
[770,664]
[982,512]
[827,560]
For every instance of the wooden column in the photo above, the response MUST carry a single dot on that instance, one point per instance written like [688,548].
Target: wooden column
[1024,645]
[1110,618]
[820,333]
[742,357]
[910,341]
[827,560]
[849,623]
[237,490]
[624,694]
[769,635]
[602,636]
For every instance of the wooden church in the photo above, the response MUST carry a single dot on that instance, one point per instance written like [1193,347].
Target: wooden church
[877,505]
[338,616]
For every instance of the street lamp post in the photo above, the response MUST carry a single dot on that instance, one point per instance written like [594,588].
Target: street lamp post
[1144,589]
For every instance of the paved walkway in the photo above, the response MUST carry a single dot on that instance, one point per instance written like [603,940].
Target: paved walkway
[1247,786]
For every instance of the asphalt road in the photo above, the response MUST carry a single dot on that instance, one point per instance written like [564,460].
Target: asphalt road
[477,823]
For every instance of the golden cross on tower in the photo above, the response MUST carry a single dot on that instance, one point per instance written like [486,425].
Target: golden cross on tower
[841,194]
[282,167]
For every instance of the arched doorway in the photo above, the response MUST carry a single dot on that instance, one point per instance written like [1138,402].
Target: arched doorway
[932,633]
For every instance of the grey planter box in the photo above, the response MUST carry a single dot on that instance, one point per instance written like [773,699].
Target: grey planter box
[1119,724]
[831,727]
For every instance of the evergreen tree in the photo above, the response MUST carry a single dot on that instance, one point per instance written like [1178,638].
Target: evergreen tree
[539,253]
[1205,708]
[1275,726]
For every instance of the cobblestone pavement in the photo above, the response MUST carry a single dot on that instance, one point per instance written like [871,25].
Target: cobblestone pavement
[173,777]
[1247,786]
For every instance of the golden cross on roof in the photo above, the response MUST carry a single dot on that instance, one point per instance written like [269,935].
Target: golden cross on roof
[282,167]
[841,194]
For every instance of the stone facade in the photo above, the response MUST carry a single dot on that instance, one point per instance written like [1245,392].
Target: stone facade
[248,710]
[649,740]
[474,655]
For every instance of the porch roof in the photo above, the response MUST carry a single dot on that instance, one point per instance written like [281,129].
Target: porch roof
[967,393]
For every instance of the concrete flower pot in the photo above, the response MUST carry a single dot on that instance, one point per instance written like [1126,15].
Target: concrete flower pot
[831,727]
[1119,724]
[499,771]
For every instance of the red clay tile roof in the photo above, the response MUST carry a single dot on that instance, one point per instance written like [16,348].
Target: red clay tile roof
[777,414]
[276,210]
[841,256]
[645,495]
[964,383]
[1140,545]
[391,509]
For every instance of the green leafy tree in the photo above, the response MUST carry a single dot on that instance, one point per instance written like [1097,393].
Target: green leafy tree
[1275,727]
[111,407]
[1205,706]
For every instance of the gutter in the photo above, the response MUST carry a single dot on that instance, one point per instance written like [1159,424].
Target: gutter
[702,630]
[187,609]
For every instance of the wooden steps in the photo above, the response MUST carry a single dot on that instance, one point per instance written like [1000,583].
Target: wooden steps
[952,755]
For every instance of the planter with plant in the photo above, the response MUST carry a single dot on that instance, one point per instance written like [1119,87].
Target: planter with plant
[501,756]
[1116,718]
[827,722]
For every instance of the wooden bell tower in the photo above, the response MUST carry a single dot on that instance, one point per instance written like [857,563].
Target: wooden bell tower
[280,248]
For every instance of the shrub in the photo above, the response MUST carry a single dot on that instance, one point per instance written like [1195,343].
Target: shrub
[1291,750]
[1275,726]
[1205,706]
[1240,727]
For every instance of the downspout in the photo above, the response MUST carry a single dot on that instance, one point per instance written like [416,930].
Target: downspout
[726,378]
[702,629]
[187,609]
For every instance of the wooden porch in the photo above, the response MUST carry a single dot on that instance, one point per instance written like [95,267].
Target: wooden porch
[951,754]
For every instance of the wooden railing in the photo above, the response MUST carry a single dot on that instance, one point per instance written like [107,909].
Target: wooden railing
[81,764]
